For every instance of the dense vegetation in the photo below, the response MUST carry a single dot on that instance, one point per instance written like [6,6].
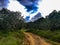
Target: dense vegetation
[12,22]
[51,22]
[10,25]
[11,38]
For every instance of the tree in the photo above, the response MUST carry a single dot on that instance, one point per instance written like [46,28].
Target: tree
[10,20]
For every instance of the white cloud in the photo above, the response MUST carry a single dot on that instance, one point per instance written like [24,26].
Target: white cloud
[15,6]
[47,6]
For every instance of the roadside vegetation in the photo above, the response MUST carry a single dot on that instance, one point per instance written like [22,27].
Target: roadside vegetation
[11,38]
[10,28]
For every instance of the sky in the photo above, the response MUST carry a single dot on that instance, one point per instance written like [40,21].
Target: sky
[14,5]
[45,7]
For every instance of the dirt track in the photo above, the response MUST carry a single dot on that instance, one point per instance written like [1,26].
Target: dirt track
[31,39]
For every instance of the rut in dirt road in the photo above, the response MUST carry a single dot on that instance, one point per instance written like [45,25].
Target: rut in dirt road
[31,39]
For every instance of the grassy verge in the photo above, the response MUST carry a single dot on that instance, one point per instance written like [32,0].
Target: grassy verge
[11,38]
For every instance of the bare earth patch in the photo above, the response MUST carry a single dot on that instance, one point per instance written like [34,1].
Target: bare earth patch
[32,39]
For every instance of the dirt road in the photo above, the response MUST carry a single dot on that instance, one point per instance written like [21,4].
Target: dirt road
[32,39]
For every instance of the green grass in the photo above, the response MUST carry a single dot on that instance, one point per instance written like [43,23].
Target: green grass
[11,38]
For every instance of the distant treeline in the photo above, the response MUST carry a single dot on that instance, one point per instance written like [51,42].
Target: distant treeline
[51,22]
[13,20]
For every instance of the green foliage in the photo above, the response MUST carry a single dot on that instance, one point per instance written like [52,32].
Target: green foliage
[10,25]
[10,20]
[51,22]
[11,38]
[54,18]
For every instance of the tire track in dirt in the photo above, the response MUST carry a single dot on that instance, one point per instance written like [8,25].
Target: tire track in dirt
[32,39]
